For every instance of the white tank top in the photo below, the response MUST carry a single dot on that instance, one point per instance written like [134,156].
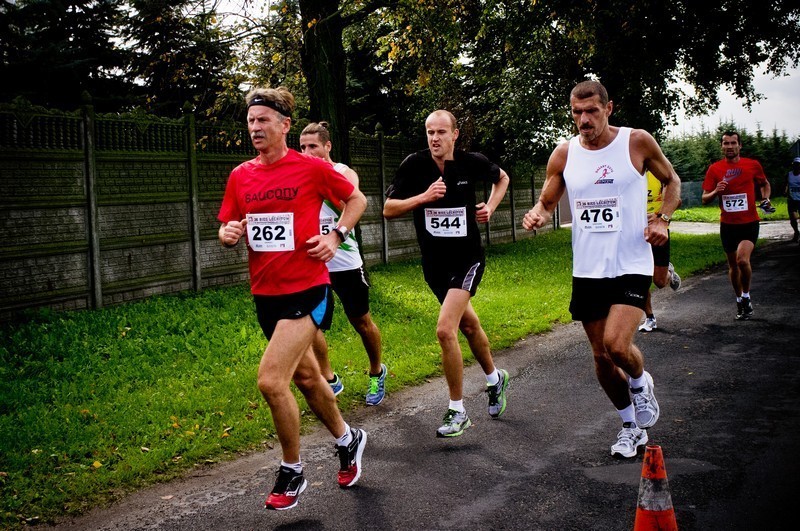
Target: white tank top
[608,198]
[794,185]
[347,256]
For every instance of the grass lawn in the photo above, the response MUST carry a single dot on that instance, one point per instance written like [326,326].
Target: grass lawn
[96,403]
[710,213]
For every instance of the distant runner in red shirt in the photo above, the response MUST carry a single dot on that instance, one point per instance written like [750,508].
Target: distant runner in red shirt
[733,180]
[276,199]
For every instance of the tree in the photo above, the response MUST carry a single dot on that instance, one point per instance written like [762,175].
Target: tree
[325,62]
[178,54]
[54,50]
[521,58]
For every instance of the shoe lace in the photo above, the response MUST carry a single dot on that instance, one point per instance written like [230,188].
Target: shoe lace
[344,457]
[373,384]
[626,435]
[284,477]
[343,452]
[450,416]
[640,401]
[494,392]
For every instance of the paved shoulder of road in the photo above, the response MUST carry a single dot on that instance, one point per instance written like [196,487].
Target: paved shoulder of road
[730,404]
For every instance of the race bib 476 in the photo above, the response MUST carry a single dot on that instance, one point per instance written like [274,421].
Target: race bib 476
[598,215]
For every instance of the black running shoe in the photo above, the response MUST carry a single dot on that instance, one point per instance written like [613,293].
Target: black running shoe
[350,458]
[287,489]
[739,311]
[747,306]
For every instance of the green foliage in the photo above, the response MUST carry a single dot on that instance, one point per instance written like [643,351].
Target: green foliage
[95,403]
[506,68]
[267,53]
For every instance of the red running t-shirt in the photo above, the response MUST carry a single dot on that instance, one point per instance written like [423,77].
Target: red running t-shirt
[282,202]
[738,202]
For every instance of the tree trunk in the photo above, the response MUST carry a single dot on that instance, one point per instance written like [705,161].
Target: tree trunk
[324,65]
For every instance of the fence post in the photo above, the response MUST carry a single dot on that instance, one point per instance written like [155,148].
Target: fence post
[90,177]
[489,223]
[513,210]
[194,191]
[382,163]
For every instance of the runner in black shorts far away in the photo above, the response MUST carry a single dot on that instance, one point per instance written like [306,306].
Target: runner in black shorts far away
[663,270]
[732,181]
[438,186]
[793,197]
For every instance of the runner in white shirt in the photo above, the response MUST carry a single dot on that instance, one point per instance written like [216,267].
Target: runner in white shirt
[348,276]
[603,170]
[793,197]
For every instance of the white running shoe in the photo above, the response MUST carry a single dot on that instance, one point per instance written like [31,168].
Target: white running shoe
[629,439]
[644,401]
[455,422]
[648,325]
[674,278]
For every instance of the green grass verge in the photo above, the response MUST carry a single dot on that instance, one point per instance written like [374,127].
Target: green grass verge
[710,213]
[96,403]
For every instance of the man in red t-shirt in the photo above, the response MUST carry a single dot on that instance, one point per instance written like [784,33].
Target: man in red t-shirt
[276,198]
[733,180]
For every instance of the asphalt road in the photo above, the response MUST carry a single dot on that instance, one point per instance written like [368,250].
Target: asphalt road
[729,393]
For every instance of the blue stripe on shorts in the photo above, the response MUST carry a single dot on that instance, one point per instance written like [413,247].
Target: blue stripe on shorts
[318,313]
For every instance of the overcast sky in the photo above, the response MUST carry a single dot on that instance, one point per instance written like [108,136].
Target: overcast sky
[780,108]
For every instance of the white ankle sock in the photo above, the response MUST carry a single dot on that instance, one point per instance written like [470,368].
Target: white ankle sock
[628,414]
[493,378]
[635,383]
[345,439]
[297,467]
[458,405]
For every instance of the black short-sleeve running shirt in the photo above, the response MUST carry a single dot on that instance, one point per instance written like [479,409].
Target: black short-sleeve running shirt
[446,227]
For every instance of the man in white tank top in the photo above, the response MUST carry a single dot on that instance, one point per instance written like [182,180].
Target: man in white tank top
[603,170]
[348,277]
[793,197]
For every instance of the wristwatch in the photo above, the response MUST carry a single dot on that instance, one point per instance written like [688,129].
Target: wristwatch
[342,232]
[664,217]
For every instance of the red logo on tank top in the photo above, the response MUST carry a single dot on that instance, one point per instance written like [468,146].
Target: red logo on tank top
[604,172]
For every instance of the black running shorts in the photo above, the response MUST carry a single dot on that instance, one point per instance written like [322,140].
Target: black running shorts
[592,298]
[316,302]
[443,275]
[661,254]
[352,287]
[733,234]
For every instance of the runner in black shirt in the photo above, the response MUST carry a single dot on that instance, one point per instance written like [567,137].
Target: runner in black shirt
[438,186]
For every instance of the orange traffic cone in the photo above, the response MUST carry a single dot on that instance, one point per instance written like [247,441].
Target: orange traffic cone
[654,508]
